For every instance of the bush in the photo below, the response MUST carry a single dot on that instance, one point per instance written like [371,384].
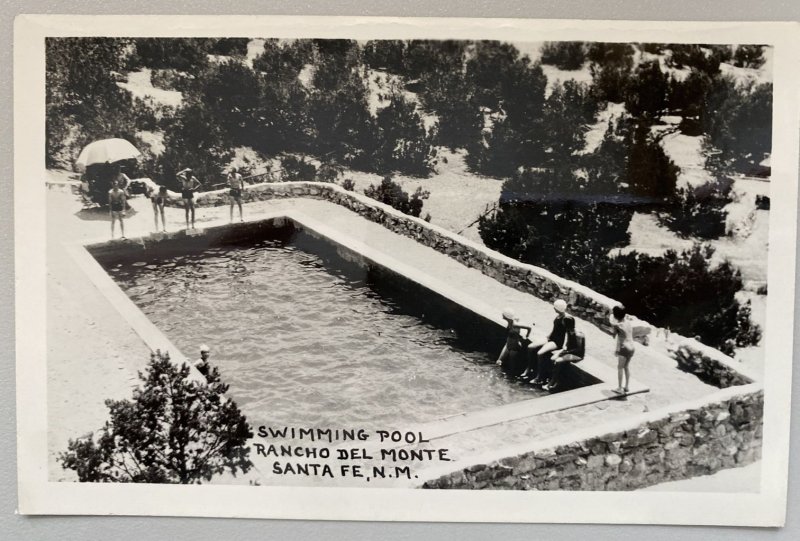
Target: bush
[170,79]
[341,126]
[172,431]
[683,291]
[762,202]
[569,109]
[348,184]
[698,212]
[649,173]
[565,55]
[283,62]
[687,98]
[749,56]
[295,169]
[699,57]
[385,54]
[192,138]
[646,91]
[403,144]
[328,173]
[83,102]
[185,54]
[543,220]
[232,92]
[611,67]
[738,121]
[390,193]
[229,46]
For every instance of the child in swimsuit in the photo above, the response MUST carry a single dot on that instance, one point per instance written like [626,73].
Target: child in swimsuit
[116,207]
[514,339]
[623,330]
[236,185]
[159,199]
[188,185]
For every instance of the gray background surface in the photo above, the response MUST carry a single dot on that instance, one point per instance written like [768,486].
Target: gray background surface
[135,528]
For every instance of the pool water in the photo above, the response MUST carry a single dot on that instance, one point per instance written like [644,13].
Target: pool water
[307,334]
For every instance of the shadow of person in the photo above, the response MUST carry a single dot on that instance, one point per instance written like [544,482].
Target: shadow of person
[99,214]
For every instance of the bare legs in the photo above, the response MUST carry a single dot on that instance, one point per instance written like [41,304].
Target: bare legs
[239,202]
[188,207]
[537,354]
[114,217]
[623,373]
[159,209]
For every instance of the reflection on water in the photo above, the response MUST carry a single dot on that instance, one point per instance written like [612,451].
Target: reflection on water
[317,340]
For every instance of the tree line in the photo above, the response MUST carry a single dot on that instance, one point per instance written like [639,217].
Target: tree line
[312,98]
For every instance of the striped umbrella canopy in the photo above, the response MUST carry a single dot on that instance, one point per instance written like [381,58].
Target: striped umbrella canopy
[106,151]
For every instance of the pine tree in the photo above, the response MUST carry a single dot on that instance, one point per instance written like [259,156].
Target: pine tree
[174,430]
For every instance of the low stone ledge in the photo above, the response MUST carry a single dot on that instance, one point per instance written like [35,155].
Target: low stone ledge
[696,441]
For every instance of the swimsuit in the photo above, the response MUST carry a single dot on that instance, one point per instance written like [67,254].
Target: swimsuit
[624,333]
[117,206]
[236,192]
[187,194]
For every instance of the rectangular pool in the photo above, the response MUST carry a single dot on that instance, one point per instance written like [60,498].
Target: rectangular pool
[309,333]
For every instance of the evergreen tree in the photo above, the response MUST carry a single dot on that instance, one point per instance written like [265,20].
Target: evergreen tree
[646,91]
[611,65]
[193,139]
[173,431]
[403,144]
[392,194]
[83,102]
[565,55]
[386,54]
[185,54]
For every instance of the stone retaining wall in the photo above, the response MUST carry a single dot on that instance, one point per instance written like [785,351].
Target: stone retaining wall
[696,441]
[707,363]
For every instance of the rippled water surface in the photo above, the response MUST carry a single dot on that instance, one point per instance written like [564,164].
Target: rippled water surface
[314,340]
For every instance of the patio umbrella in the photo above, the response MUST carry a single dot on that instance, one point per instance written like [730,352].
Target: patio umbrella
[106,151]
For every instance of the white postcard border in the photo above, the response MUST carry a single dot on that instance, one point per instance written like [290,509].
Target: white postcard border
[38,496]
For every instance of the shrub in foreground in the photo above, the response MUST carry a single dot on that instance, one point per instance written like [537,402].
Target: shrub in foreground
[173,431]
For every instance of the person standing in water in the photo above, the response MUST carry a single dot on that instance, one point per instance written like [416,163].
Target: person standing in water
[159,199]
[116,207]
[188,186]
[515,342]
[236,185]
[623,331]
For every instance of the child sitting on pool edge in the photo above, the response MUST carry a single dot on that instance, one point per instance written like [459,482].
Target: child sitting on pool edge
[515,342]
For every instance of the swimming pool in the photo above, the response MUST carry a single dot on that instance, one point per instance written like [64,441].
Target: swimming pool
[307,332]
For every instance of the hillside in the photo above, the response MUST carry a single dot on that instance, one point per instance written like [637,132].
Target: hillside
[465,122]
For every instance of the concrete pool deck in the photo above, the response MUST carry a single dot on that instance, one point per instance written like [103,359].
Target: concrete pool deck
[75,297]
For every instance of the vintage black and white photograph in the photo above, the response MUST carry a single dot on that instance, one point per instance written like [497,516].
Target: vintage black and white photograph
[427,263]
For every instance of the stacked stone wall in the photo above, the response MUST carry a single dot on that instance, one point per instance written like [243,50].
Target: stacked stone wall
[690,442]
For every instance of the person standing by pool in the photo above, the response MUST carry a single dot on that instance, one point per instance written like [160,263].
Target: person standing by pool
[236,185]
[159,199]
[539,353]
[623,331]
[116,207]
[188,186]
